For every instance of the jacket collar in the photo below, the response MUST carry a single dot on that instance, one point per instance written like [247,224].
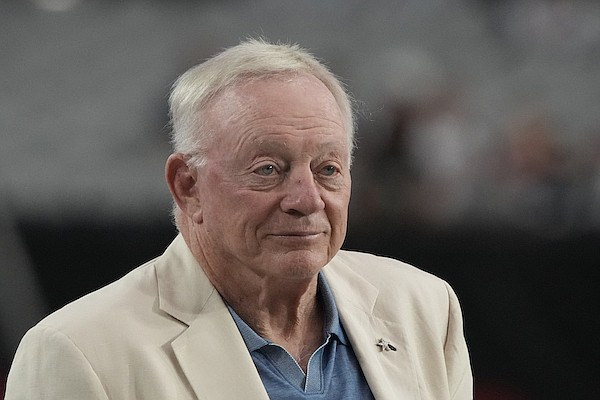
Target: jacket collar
[212,342]
[390,374]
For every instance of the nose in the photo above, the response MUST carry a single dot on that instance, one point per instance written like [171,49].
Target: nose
[302,194]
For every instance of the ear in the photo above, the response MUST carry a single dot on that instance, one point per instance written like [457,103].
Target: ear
[181,179]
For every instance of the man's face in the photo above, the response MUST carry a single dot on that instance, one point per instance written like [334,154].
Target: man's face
[275,190]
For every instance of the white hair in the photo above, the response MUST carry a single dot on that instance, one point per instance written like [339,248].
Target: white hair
[252,59]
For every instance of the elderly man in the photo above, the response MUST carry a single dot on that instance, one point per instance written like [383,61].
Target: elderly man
[254,299]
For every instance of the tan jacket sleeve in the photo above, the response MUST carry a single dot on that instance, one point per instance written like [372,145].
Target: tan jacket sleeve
[47,366]
[458,366]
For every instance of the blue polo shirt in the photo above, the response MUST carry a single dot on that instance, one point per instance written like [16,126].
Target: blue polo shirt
[333,371]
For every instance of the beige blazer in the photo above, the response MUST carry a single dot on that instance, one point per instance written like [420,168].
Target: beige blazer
[163,332]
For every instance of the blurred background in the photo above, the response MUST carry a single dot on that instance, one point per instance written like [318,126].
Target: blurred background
[478,160]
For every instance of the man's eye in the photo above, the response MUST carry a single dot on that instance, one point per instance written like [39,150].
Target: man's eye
[329,170]
[265,170]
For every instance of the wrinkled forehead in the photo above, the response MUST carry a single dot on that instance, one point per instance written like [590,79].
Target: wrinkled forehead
[282,96]
[267,89]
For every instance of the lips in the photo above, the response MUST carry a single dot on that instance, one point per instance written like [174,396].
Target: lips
[301,235]
[296,230]
[298,233]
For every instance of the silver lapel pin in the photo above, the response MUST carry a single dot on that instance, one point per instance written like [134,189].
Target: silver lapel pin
[385,345]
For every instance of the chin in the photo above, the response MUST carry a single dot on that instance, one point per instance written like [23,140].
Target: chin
[302,264]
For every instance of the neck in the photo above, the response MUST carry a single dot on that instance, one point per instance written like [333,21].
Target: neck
[288,315]
[275,308]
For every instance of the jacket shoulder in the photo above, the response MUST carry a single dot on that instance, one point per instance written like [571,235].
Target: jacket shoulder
[119,301]
[401,288]
[381,269]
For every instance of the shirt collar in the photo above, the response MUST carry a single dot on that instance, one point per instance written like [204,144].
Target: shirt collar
[332,327]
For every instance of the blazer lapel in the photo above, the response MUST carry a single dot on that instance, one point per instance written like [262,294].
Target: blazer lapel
[390,374]
[211,352]
[214,357]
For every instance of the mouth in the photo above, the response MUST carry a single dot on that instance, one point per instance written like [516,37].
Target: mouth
[294,234]
[300,235]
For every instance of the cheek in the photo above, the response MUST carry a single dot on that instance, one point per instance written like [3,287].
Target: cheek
[338,216]
[339,230]
[248,211]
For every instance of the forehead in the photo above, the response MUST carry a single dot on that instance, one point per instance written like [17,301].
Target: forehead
[275,108]
[280,96]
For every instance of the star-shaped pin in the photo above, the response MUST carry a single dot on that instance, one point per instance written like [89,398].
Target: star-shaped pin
[385,345]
